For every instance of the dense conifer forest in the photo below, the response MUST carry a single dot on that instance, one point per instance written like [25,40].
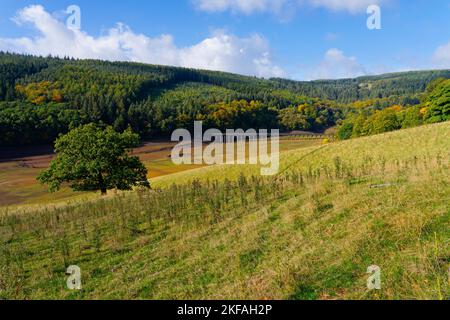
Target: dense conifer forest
[42,97]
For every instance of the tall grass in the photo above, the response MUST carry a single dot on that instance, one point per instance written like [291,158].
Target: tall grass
[308,233]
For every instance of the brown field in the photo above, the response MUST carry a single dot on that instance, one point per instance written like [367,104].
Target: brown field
[19,168]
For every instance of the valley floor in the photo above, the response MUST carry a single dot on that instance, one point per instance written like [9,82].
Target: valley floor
[19,168]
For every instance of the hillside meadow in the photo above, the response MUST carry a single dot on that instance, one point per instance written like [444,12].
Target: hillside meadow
[225,232]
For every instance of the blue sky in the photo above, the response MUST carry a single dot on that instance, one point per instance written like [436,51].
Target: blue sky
[299,39]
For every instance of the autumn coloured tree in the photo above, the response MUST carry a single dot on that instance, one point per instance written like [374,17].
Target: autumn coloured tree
[43,97]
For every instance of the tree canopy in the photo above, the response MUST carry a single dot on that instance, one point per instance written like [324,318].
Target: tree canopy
[91,158]
[41,98]
[437,101]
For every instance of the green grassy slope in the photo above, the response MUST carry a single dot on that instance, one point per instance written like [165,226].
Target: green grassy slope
[309,233]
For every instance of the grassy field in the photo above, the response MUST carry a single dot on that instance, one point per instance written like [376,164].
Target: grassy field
[225,232]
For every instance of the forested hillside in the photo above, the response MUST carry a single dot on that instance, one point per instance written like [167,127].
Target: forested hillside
[43,97]
[404,86]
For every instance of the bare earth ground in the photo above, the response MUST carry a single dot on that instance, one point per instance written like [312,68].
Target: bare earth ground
[19,168]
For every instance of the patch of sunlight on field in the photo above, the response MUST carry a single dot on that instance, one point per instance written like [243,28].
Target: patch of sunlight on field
[221,172]
[399,145]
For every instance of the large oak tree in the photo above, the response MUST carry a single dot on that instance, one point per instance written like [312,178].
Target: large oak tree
[90,158]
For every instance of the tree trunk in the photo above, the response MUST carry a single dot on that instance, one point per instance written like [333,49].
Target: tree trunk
[102,184]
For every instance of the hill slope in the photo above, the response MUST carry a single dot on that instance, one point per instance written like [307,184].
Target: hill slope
[41,98]
[18,69]
[309,233]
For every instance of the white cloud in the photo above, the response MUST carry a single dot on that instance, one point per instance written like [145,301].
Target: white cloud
[228,52]
[336,65]
[221,51]
[243,6]
[441,57]
[352,6]
[277,6]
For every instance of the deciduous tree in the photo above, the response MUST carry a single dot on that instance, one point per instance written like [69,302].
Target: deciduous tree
[90,158]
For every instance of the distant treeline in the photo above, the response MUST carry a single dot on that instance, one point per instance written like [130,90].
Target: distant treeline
[405,86]
[41,98]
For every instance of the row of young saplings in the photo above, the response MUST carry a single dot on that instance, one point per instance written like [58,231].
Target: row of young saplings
[202,201]
[68,232]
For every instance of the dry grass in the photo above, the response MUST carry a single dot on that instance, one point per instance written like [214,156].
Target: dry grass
[226,233]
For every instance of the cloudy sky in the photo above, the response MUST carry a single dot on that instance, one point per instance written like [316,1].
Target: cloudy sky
[298,39]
